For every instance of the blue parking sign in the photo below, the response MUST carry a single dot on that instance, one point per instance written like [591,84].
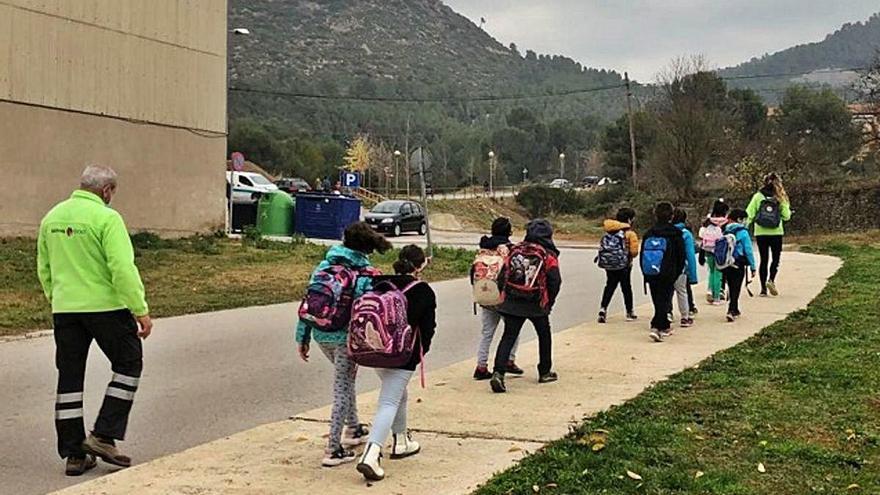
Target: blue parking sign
[350,179]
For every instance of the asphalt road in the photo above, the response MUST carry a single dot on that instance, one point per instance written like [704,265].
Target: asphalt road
[207,376]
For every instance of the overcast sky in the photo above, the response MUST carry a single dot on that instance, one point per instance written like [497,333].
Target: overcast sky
[641,36]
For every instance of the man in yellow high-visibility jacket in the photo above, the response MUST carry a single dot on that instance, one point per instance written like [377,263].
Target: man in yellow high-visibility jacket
[85,262]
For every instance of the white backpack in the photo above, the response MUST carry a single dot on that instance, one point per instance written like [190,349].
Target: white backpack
[487,264]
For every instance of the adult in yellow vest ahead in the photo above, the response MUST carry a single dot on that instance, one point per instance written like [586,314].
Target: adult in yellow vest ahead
[85,262]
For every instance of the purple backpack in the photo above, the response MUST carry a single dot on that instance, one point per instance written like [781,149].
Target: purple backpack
[328,300]
[379,335]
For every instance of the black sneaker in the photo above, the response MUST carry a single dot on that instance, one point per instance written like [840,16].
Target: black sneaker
[513,369]
[497,383]
[338,457]
[631,316]
[694,310]
[602,316]
[482,373]
[548,377]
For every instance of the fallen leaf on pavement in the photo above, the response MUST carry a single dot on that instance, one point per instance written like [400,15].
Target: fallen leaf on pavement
[514,449]
[634,476]
[302,439]
[761,468]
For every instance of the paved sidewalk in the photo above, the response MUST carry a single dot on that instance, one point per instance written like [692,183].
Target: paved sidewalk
[467,432]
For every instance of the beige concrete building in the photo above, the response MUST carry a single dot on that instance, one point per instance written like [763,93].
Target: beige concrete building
[139,85]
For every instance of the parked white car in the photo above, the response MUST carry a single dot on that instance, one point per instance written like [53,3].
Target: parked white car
[561,184]
[249,186]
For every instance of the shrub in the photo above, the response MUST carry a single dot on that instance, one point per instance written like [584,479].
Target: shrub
[541,201]
[147,240]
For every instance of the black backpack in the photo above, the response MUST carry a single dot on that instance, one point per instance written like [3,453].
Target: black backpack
[769,216]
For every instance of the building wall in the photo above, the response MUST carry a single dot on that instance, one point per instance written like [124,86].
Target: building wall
[137,85]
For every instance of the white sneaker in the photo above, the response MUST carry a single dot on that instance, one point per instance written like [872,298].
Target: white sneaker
[355,436]
[370,463]
[404,446]
[656,336]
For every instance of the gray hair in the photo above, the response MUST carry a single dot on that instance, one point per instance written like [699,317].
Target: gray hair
[95,177]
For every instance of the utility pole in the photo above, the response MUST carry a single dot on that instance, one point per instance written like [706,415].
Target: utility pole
[406,156]
[632,130]
[425,202]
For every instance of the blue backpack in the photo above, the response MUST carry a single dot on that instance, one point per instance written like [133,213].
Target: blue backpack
[653,256]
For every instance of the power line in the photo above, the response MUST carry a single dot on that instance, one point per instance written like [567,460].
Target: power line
[440,99]
[792,74]
[491,98]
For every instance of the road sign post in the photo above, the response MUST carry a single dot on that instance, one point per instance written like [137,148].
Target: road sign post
[237,166]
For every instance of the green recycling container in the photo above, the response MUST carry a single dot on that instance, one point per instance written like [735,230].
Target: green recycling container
[275,214]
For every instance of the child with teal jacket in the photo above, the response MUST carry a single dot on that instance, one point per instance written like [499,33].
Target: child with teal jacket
[745,258]
[689,276]
[346,431]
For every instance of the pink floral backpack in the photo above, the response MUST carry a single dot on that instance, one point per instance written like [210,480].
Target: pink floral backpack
[379,335]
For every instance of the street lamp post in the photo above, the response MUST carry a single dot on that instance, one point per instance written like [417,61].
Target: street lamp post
[229,212]
[562,165]
[492,173]
[396,171]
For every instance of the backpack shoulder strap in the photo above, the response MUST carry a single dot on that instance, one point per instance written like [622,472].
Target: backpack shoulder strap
[411,285]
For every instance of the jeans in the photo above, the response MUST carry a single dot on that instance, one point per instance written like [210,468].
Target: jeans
[767,245]
[715,279]
[613,279]
[391,413]
[490,318]
[344,411]
[116,335]
[661,295]
[735,277]
[512,326]
[681,293]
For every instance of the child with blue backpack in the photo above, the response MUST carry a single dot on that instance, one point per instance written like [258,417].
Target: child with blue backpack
[742,255]
[662,262]
[617,250]
[345,271]
[688,276]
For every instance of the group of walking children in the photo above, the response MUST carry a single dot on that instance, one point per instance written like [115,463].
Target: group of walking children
[669,256]
[360,317]
[515,283]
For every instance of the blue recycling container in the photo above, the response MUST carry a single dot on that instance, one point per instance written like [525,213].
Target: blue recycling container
[325,216]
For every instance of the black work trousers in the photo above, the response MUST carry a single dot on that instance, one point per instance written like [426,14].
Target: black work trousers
[613,279]
[512,326]
[116,335]
[661,297]
[735,277]
[769,245]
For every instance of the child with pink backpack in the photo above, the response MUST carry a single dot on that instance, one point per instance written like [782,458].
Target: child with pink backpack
[324,315]
[712,230]
[391,330]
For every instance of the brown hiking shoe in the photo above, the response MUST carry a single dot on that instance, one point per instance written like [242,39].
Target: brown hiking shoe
[106,451]
[77,466]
